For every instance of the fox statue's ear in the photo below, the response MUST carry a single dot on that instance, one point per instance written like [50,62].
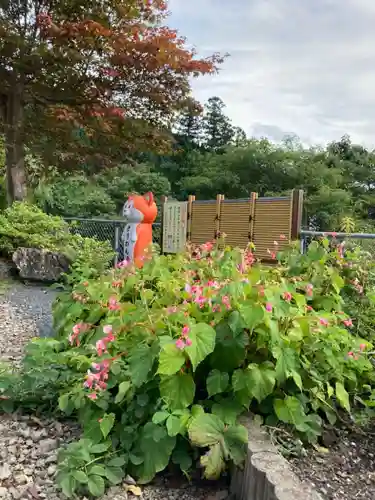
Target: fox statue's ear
[149,197]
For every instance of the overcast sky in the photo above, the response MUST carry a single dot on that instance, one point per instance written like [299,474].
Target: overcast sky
[296,66]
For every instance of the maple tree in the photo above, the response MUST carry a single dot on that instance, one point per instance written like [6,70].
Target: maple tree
[108,70]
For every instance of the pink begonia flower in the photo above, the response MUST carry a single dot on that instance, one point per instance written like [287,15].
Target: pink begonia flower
[282,237]
[323,321]
[107,329]
[188,341]
[350,354]
[92,396]
[113,304]
[180,344]
[309,289]
[287,296]
[269,307]
[185,331]
[362,347]
[348,322]
[101,347]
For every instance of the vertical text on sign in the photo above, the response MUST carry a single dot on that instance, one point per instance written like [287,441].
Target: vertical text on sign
[174,226]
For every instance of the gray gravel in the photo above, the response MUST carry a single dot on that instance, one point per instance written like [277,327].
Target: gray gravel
[29,444]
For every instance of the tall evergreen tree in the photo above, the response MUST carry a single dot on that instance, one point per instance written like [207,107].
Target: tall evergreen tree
[218,131]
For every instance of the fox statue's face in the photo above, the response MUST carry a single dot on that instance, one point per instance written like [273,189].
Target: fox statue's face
[140,209]
[130,213]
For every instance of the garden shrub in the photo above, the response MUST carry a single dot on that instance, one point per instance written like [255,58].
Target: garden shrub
[24,225]
[170,356]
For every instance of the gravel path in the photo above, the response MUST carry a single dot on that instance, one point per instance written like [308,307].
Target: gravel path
[28,445]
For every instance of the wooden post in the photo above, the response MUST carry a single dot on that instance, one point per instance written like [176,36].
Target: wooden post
[219,199]
[163,201]
[297,209]
[191,199]
[253,200]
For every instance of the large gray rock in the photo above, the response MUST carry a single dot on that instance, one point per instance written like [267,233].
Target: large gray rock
[40,265]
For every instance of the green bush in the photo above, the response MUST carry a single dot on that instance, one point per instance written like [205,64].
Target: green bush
[24,225]
[158,364]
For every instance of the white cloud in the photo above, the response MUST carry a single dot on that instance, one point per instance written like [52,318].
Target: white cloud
[303,66]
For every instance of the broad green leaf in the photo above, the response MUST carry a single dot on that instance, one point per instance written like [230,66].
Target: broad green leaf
[235,322]
[202,343]
[64,402]
[260,381]
[177,390]
[181,457]
[117,461]
[252,315]
[160,417]
[171,359]
[228,410]
[230,347]
[80,476]
[236,437]
[297,379]
[140,362]
[173,425]
[100,447]
[287,362]
[122,390]
[239,380]
[213,462]
[106,423]
[217,382]
[96,486]
[156,454]
[290,411]
[342,396]
[206,430]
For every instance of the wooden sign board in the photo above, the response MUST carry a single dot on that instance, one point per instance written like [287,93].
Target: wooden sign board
[174,226]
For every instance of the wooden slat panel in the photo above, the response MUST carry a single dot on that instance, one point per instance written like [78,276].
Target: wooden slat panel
[272,219]
[234,222]
[203,222]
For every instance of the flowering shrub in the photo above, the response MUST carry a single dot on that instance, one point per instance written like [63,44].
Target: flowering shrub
[171,355]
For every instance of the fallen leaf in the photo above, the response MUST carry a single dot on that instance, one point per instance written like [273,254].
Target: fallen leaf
[136,490]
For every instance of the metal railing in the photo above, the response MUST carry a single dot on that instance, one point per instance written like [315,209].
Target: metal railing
[306,236]
[105,230]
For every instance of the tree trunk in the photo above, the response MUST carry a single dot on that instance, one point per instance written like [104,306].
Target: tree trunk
[14,151]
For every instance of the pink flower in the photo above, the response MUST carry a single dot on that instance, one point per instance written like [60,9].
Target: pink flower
[185,331]
[92,396]
[113,304]
[309,289]
[226,301]
[348,322]
[282,237]
[101,347]
[123,263]
[309,308]
[180,344]
[287,296]
[188,341]
[269,307]
[362,347]
[207,247]
[107,329]
[323,321]
[350,354]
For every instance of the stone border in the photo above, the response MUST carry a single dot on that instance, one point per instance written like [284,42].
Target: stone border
[266,474]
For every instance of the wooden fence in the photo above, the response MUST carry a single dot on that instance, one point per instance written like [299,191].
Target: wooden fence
[258,220]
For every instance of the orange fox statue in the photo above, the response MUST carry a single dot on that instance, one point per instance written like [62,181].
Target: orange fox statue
[140,213]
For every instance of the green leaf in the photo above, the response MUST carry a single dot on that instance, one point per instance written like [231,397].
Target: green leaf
[100,448]
[106,423]
[97,470]
[117,461]
[213,462]
[156,455]
[80,476]
[252,315]
[114,475]
[217,382]
[342,396]
[290,411]
[236,437]
[140,362]
[230,350]
[68,485]
[181,457]
[96,486]
[173,425]
[260,381]
[228,410]
[160,417]
[122,390]
[64,402]
[203,343]
[178,390]
[171,360]
[206,430]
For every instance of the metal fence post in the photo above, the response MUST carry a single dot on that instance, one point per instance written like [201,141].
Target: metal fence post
[117,243]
